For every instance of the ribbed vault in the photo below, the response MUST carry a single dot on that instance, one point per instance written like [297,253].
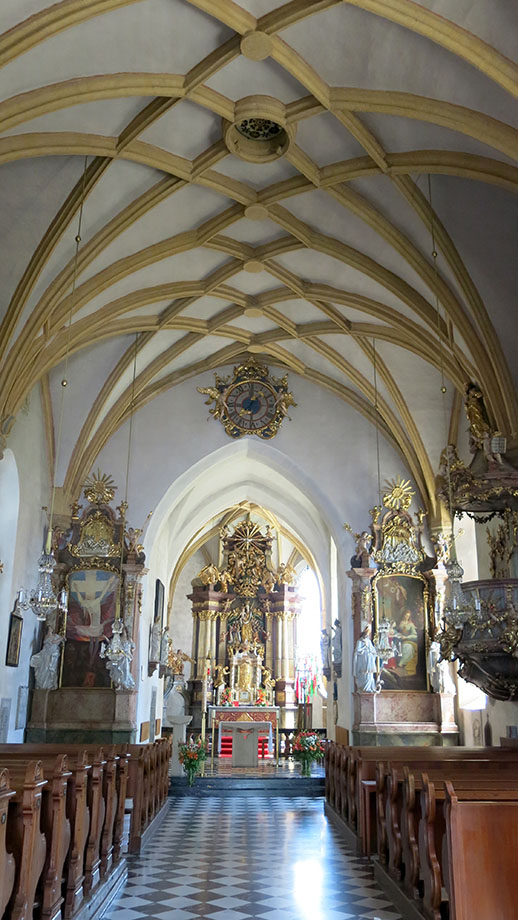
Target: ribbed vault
[339,255]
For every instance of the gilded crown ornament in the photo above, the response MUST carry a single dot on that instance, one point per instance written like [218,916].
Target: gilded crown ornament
[252,401]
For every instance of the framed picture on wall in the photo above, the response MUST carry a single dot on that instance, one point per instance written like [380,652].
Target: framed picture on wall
[14,640]
[403,600]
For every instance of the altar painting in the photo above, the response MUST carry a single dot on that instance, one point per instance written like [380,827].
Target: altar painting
[91,612]
[403,600]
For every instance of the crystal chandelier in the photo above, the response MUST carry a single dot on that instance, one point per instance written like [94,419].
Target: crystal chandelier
[44,600]
[384,650]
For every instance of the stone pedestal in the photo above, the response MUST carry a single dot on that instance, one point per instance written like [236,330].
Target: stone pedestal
[179,725]
[77,715]
[410,717]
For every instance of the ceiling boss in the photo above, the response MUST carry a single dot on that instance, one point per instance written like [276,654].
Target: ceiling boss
[250,402]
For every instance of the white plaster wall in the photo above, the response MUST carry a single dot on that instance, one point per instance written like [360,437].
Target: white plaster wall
[180,619]
[319,471]
[28,445]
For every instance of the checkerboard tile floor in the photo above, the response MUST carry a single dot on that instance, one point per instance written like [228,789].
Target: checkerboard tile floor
[249,859]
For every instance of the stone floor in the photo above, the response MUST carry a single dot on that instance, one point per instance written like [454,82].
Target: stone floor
[249,859]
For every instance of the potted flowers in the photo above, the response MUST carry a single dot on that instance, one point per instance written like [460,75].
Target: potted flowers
[191,755]
[307,747]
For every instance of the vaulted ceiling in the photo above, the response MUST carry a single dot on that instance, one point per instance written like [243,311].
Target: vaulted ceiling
[367,240]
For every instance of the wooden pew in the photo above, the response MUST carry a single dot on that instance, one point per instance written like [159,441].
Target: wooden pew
[481,855]
[436,866]
[362,766]
[7,866]
[24,837]
[54,824]
[398,816]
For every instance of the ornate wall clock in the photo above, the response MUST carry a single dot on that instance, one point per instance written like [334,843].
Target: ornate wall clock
[249,402]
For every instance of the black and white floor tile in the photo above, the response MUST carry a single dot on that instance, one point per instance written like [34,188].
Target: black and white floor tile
[249,859]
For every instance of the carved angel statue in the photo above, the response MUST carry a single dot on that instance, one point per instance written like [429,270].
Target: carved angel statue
[479,427]
[118,652]
[362,553]
[176,660]
[214,395]
[286,574]
[284,402]
[442,546]
[268,680]
[209,575]
[221,673]
[45,662]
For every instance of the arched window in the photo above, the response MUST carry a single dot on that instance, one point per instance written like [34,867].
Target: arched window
[308,658]
[9,503]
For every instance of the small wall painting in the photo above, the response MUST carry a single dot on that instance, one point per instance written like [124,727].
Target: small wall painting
[403,600]
[159,603]
[14,640]
[91,612]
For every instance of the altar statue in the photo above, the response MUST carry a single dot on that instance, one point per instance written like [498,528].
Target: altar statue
[164,646]
[325,642]
[45,662]
[337,642]
[364,663]
[439,671]
[118,652]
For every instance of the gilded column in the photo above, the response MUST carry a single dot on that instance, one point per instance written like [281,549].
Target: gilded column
[269,642]
[278,659]
[285,649]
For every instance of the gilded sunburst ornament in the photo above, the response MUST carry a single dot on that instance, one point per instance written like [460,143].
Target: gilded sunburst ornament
[399,494]
[99,488]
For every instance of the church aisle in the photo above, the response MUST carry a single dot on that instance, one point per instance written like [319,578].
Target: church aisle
[244,858]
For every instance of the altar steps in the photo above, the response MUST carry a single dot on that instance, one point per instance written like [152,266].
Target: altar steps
[291,786]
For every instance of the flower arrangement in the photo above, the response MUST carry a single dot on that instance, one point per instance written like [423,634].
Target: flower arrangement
[191,755]
[307,747]
[260,701]
[225,697]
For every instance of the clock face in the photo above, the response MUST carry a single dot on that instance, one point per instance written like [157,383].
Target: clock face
[251,405]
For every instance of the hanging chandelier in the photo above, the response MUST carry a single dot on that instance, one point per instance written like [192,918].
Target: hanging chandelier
[43,600]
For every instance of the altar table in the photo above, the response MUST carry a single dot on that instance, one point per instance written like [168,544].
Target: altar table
[245,737]
[266,716]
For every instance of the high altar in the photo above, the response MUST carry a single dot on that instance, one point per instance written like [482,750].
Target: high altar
[244,629]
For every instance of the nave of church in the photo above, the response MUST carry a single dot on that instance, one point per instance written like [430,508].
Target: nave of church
[259,452]
[250,858]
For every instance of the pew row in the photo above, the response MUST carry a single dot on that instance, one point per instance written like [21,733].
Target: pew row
[73,843]
[410,800]
[481,856]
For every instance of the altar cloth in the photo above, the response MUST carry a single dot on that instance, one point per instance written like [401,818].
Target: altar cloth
[229,726]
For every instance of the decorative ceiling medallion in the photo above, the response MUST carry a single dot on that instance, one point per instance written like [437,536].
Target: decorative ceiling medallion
[259,129]
[259,132]
[249,402]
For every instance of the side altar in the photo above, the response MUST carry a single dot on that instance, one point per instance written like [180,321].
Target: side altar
[404,694]
[85,672]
